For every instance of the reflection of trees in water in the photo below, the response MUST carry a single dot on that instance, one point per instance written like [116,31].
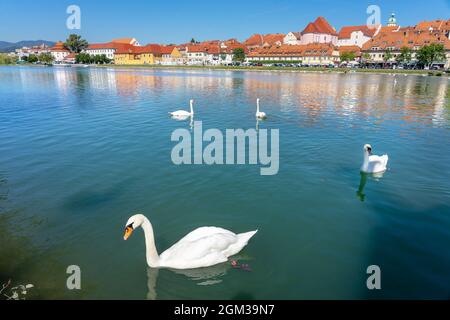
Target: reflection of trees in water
[23,262]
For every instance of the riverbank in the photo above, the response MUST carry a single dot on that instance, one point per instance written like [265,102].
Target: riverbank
[279,69]
[263,68]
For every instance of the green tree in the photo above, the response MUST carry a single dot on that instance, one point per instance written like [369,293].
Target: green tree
[6,59]
[75,43]
[347,56]
[193,41]
[387,56]
[45,58]
[32,58]
[83,58]
[427,55]
[239,55]
[405,55]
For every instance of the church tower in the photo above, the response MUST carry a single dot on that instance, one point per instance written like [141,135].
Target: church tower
[392,22]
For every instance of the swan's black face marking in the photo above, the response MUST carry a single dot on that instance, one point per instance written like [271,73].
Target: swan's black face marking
[130,226]
[369,149]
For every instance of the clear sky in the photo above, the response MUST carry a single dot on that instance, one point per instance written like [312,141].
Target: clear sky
[177,21]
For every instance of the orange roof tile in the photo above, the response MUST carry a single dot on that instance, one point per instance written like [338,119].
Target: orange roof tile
[354,49]
[405,37]
[320,25]
[123,40]
[346,32]
[259,39]
[167,49]
[312,49]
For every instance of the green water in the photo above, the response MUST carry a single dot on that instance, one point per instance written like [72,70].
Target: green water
[81,150]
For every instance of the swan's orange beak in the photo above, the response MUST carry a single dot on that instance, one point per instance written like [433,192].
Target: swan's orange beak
[128,232]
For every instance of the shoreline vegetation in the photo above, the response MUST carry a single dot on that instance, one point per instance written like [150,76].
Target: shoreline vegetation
[245,68]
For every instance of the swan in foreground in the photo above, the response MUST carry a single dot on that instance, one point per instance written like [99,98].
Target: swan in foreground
[373,163]
[259,114]
[203,247]
[182,113]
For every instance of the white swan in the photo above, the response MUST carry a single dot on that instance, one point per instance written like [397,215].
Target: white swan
[373,163]
[259,114]
[183,113]
[203,247]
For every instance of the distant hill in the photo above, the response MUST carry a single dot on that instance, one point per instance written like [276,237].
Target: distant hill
[11,46]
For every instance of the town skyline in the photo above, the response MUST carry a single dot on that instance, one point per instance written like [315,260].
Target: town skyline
[158,25]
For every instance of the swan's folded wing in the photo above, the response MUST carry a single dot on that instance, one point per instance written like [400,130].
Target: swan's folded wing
[205,232]
[203,251]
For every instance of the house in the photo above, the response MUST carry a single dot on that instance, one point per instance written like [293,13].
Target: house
[213,54]
[110,48]
[59,52]
[130,41]
[319,31]
[355,35]
[436,26]
[315,54]
[292,38]
[395,38]
[35,50]
[170,55]
[70,58]
[268,40]
[134,55]
[196,54]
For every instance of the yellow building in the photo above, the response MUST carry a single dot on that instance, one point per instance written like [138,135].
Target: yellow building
[171,56]
[133,55]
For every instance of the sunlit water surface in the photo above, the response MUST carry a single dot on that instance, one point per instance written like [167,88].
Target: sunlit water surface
[83,149]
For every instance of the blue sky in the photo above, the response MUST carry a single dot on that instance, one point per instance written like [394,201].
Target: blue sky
[177,21]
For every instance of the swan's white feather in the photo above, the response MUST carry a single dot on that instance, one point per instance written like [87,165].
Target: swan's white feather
[180,113]
[376,164]
[204,247]
[261,115]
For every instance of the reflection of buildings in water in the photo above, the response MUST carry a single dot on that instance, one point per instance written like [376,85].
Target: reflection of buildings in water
[30,76]
[131,84]
[64,78]
[102,79]
[440,115]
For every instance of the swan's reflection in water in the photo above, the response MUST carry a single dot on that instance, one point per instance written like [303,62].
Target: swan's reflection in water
[363,181]
[184,118]
[202,276]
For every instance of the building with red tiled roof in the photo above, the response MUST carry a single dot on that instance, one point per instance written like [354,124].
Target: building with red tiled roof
[292,38]
[394,39]
[319,31]
[132,55]
[434,26]
[356,35]
[213,54]
[260,40]
[59,52]
[108,49]
[311,54]
[130,41]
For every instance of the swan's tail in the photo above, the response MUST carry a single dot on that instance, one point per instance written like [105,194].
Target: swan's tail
[385,159]
[245,237]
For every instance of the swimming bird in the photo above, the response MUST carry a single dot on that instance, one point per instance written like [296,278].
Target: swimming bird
[203,247]
[259,114]
[373,163]
[183,113]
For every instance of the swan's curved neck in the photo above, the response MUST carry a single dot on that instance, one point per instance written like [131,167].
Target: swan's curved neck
[257,106]
[192,107]
[151,252]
